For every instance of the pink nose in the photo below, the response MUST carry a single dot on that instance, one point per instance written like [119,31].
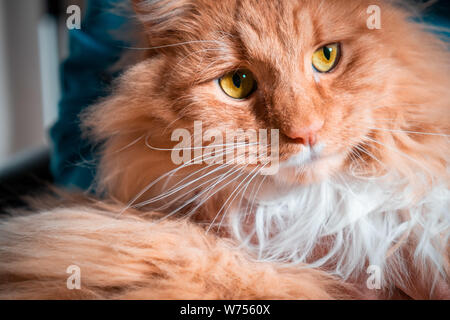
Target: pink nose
[306,135]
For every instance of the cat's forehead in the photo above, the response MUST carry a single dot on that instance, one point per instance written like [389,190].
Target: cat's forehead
[273,28]
[289,28]
[281,21]
[270,37]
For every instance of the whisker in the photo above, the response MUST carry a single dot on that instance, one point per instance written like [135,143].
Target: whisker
[248,212]
[411,132]
[172,45]
[175,188]
[167,205]
[193,53]
[174,191]
[400,153]
[209,196]
[150,185]
[252,174]
[203,147]
[256,169]
[225,203]
[223,153]
[203,192]
[362,149]
[127,146]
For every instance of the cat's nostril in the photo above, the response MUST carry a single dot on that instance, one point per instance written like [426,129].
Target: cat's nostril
[308,139]
[307,135]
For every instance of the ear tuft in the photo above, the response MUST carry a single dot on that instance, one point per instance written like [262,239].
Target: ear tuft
[164,20]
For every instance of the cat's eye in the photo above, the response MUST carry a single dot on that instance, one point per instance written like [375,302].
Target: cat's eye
[327,57]
[238,84]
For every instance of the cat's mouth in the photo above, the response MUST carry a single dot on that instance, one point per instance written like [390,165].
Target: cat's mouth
[306,156]
[309,165]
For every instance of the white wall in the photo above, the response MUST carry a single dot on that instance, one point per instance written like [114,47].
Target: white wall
[21,115]
[5,112]
[32,45]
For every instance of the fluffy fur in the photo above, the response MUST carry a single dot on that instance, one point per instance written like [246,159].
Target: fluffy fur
[365,222]
[133,258]
[374,191]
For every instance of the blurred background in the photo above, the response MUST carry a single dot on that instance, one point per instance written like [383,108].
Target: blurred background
[33,41]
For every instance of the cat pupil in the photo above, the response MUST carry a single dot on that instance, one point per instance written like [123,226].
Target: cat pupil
[327,52]
[237,80]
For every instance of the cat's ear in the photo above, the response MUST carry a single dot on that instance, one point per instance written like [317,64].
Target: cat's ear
[165,21]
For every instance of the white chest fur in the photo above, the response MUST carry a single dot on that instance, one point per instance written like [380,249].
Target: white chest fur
[361,220]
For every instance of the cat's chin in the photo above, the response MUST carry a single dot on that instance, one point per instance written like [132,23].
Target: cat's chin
[309,167]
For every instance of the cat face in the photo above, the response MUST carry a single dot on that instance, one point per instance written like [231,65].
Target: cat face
[320,115]
[311,69]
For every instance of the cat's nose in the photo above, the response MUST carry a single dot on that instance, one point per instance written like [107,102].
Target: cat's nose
[306,135]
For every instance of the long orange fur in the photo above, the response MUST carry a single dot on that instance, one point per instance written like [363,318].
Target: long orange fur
[399,69]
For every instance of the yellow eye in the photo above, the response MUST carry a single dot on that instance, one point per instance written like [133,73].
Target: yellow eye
[238,84]
[326,58]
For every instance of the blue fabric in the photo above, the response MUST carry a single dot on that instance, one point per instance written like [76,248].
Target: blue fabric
[85,78]
[440,17]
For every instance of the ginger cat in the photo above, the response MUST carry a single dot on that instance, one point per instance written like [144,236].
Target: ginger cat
[363,117]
